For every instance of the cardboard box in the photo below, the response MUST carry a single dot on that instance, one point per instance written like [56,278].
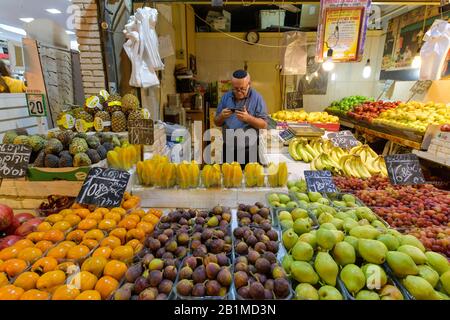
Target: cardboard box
[68,174]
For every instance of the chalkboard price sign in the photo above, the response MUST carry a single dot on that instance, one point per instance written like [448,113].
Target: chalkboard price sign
[404,169]
[343,139]
[141,131]
[320,181]
[14,159]
[104,187]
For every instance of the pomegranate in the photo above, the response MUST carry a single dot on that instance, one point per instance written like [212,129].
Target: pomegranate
[9,241]
[28,227]
[24,217]
[6,216]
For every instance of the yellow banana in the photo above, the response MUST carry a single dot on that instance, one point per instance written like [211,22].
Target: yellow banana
[293,149]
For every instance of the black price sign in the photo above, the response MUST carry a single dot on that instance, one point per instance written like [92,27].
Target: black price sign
[14,160]
[404,169]
[141,131]
[104,187]
[343,139]
[320,181]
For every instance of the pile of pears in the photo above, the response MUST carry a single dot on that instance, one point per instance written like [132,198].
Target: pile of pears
[353,255]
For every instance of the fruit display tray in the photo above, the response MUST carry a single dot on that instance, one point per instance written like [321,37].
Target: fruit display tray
[277,211]
[68,174]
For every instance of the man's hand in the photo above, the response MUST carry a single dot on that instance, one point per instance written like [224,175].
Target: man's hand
[243,115]
[226,113]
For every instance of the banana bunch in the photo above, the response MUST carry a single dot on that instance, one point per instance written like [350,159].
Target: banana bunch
[353,166]
[325,162]
[254,175]
[365,152]
[377,166]
[232,175]
[149,170]
[337,153]
[300,150]
[277,174]
[124,157]
[188,175]
[211,176]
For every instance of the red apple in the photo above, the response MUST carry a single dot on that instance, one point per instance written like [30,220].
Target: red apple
[6,216]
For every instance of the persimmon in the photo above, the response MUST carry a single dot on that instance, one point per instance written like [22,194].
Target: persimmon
[65,292]
[30,254]
[120,211]
[106,286]
[102,252]
[23,243]
[115,269]
[26,280]
[13,267]
[113,216]
[44,245]
[122,253]
[58,252]
[78,252]
[134,243]
[111,242]
[83,280]
[75,236]
[62,225]
[120,233]
[95,234]
[151,218]
[53,218]
[126,195]
[54,235]
[81,212]
[90,243]
[107,224]
[3,279]
[66,212]
[35,294]
[96,215]
[101,210]
[155,212]
[147,227]
[36,236]
[130,204]
[135,217]
[138,234]
[94,265]
[11,292]
[50,281]
[73,219]
[44,226]
[9,253]
[44,265]
[87,224]
[128,223]
[89,295]
[67,244]
[139,212]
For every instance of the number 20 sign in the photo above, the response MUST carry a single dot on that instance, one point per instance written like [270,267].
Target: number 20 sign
[36,105]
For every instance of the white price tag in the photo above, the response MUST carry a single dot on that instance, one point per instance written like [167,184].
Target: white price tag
[36,105]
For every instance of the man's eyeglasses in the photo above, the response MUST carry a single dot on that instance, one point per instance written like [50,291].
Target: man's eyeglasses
[241,89]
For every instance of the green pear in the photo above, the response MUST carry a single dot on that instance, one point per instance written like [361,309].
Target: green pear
[289,238]
[302,226]
[418,256]
[349,224]
[353,278]
[367,295]
[329,293]
[284,215]
[323,201]
[290,184]
[291,204]
[303,204]
[429,274]
[420,288]
[325,239]
[302,251]
[395,233]
[293,189]
[303,272]
[353,241]
[365,232]
[302,196]
[375,276]
[299,213]
[328,225]
[273,197]
[442,296]
[364,222]
[445,281]
[401,264]
[411,240]
[342,215]
[379,225]
[372,251]
[301,184]
[286,224]
[349,198]
[339,235]
[325,217]
[344,253]
[326,268]
[284,198]
[339,203]
[338,223]
[286,263]
[352,214]
[390,292]
[365,213]
[305,291]
[437,261]
[309,238]
[314,196]
[389,240]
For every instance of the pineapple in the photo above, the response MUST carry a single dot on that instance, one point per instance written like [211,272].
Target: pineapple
[113,103]
[136,115]
[119,121]
[106,118]
[130,103]
[85,116]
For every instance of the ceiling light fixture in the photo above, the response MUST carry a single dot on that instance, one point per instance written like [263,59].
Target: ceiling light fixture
[328,64]
[53,11]
[13,29]
[333,76]
[367,71]
[26,20]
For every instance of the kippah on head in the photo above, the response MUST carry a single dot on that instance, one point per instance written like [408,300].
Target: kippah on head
[240,74]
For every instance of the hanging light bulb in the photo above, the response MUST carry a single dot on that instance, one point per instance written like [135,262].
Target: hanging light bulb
[315,74]
[417,61]
[367,71]
[307,78]
[328,64]
[333,76]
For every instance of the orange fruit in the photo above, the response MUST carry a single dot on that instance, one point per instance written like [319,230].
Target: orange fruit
[113,216]
[102,252]
[138,234]
[155,212]
[126,195]
[96,215]
[36,236]
[13,267]
[53,218]
[35,294]
[122,253]
[58,252]
[95,234]
[103,211]
[139,213]
[44,245]
[107,224]
[89,295]
[23,243]
[44,226]
[135,217]
[66,212]
[72,219]
[94,265]
[90,243]
[128,223]
[65,292]
[130,204]
[120,211]
[134,243]
[75,236]
[26,280]
[111,242]
[83,280]
[50,281]
[147,227]
[151,218]
[3,279]
[44,265]
[9,253]
[106,286]
[68,267]
[82,212]
[67,244]
[30,254]
[120,233]
[62,225]
[115,269]
[87,224]
[54,235]
[10,292]
[78,252]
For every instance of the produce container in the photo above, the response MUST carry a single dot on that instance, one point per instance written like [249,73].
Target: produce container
[276,213]
[337,196]
[68,174]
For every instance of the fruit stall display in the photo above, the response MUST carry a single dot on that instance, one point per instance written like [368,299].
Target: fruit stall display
[347,104]
[370,110]
[303,116]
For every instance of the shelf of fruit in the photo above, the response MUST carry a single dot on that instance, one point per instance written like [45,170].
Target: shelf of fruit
[368,111]
[345,105]
[319,119]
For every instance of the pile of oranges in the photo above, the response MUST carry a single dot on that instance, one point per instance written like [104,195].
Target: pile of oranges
[76,254]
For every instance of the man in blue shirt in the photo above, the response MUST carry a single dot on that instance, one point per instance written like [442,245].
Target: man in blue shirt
[241,108]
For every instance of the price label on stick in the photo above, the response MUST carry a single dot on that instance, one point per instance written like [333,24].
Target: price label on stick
[14,159]
[343,139]
[404,169]
[141,131]
[320,181]
[104,187]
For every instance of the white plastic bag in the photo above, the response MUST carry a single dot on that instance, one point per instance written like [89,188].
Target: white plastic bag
[295,53]
[434,50]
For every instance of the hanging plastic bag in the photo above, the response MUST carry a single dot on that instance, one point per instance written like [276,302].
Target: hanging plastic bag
[434,50]
[295,53]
